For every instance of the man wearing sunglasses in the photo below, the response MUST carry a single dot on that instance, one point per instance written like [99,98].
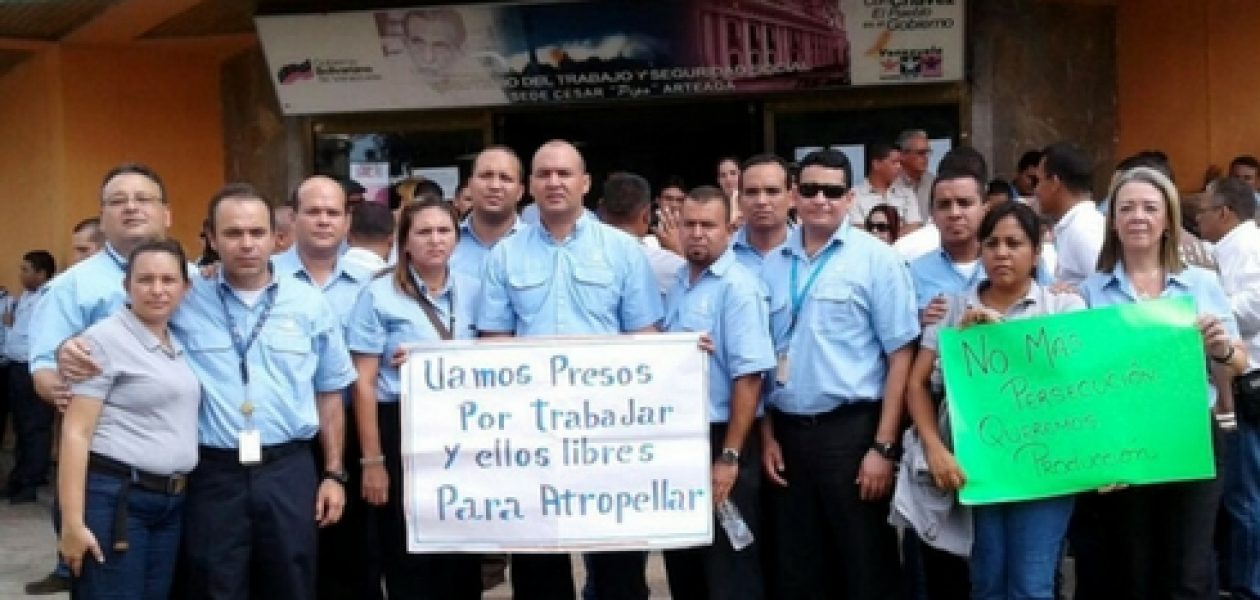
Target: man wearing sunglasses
[915,152]
[843,323]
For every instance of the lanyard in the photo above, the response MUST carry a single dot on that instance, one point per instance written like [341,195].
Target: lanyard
[242,346]
[799,294]
[446,330]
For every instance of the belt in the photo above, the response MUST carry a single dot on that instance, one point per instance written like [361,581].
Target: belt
[843,410]
[269,453]
[171,485]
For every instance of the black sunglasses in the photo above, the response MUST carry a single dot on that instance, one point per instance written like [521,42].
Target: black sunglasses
[878,227]
[833,191]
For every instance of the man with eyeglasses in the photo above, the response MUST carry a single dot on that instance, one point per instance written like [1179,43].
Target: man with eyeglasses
[133,210]
[843,323]
[915,152]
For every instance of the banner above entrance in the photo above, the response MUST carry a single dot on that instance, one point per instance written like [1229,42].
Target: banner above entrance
[555,52]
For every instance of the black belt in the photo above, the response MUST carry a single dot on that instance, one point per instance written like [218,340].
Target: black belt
[823,417]
[269,453]
[171,485]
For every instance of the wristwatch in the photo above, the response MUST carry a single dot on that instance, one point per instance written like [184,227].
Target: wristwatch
[338,476]
[888,450]
[729,456]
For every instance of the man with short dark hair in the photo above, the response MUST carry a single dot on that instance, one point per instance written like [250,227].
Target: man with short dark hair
[627,205]
[1246,168]
[765,199]
[1025,180]
[714,294]
[284,228]
[916,150]
[495,187]
[1228,222]
[843,322]
[32,418]
[1065,179]
[881,187]
[86,239]
[371,236]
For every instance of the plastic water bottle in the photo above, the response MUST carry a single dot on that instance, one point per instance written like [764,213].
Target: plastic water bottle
[737,530]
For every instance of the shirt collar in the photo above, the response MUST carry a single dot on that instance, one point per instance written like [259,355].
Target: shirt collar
[1029,299]
[1120,280]
[584,223]
[289,262]
[424,289]
[146,338]
[1236,236]
[466,229]
[795,244]
[114,256]
[221,281]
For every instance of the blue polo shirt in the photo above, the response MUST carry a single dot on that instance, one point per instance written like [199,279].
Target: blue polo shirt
[1107,289]
[859,309]
[300,350]
[342,288]
[747,254]
[731,304]
[934,274]
[385,318]
[470,253]
[75,300]
[595,281]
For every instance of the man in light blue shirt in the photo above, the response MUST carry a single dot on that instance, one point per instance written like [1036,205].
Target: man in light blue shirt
[320,225]
[495,187]
[765,197]
[714,294]
[571,275]
[844,323]
[134,209]
[32,418]
[272,361]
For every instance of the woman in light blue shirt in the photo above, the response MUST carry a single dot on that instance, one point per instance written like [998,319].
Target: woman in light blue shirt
[1159,536]
[1015,552]
[419,300]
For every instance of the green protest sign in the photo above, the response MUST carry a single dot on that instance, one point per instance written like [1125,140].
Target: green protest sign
[1054,405]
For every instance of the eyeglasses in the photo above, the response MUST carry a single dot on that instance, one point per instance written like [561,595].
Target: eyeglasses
[878,227]
[120,201]
[833,191]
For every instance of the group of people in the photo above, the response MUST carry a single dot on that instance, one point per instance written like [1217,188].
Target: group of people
[239,423]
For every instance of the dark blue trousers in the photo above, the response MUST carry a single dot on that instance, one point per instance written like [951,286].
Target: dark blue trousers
[250,531]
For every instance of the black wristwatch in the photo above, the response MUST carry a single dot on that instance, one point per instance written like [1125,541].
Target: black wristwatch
[888,450]
[729,456]
[338,476]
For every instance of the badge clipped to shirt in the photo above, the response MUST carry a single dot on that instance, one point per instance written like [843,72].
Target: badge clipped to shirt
[781,371]
[251,447]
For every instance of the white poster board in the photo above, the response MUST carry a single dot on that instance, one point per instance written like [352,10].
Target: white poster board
[557,444]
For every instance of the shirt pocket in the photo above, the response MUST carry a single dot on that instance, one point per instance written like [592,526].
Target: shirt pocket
[698,317]
[209,343]
[292,353]
[595,288]
[528,290]
[837,309]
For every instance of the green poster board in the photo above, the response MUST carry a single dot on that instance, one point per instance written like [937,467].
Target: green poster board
[1061,404]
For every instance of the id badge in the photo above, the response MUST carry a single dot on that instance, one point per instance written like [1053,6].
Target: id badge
[250,447]
[782,370]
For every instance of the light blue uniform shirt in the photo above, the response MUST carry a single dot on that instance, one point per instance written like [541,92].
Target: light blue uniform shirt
[859,310]
[1108,289]
[596,281]
[385,318]
[934,274]
[300,351]
[342,288]
[17,345]
[76,299]
[470,253]
[731,304]
[747,254]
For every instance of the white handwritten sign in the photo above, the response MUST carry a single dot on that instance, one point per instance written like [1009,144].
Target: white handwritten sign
[557,444]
